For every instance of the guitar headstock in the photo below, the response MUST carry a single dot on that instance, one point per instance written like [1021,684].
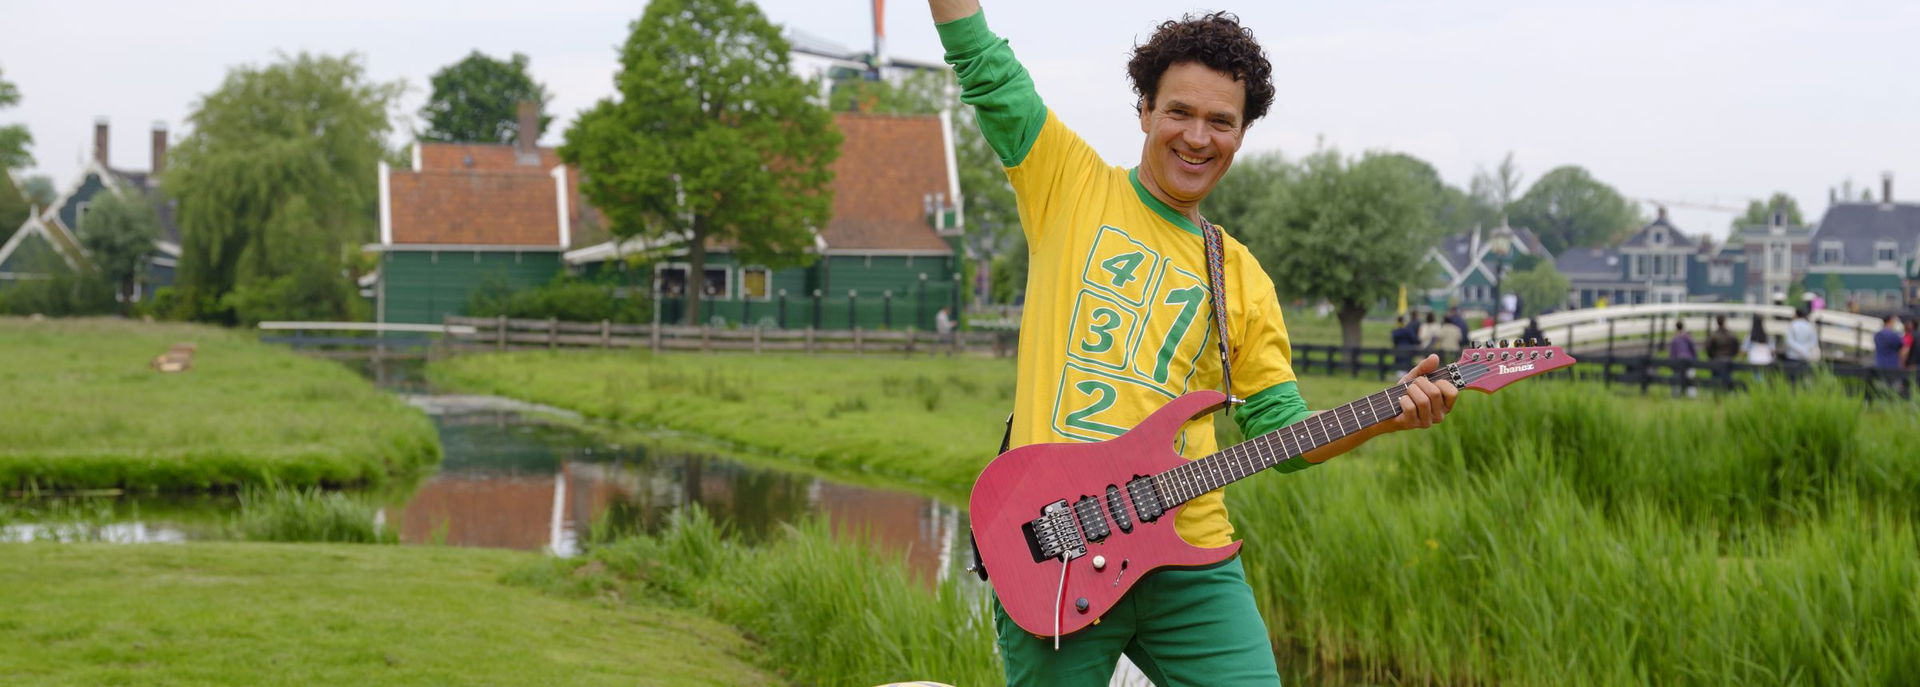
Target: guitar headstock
[1488,366]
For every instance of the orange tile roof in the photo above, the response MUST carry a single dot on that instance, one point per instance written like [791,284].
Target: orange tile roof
[887,164]
[475,207]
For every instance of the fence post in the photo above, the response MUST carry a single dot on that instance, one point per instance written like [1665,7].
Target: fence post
[500,334]
[850,309]
[606,334]
[857,347]
[912,333]
[782,319]
[886,309]
[705,343]
[756,338]
[816,309]
[446,336]
[809,339]
[653,336]
[553,333]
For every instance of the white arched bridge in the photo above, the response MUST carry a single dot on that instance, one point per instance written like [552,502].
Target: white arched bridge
[1588,328]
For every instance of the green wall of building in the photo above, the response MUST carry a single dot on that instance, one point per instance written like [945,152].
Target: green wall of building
[423,286]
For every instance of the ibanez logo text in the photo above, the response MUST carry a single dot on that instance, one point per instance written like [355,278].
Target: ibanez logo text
[1510,369]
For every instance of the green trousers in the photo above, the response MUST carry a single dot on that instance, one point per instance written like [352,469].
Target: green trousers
[1194,626]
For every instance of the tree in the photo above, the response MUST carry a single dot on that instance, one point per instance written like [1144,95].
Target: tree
[39,190]
[1762,214]
[1567,207]
[1346,231]
[118,232]
[276,189]
[1493,192]
[14,207]
[1539,288]
[476,100]
[712,138]
[14,138]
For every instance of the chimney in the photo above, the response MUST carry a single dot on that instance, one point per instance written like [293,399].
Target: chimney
[100,140]
[1663,213]
[1886,187]
[527,139]
[159,149]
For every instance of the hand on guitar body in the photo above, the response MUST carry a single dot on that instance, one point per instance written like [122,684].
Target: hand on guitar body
[1064,530]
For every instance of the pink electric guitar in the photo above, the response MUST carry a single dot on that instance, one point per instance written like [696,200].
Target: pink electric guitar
[1064,530]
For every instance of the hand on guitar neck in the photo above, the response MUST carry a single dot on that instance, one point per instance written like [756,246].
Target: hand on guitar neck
[1424,405]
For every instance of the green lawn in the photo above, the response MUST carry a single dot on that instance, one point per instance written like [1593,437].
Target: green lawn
[929,422]
[315,614]
[82,409]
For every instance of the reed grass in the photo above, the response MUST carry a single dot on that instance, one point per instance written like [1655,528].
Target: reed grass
[825,610]
[82,410]
[309,514]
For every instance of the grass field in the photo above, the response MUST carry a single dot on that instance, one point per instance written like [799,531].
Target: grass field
[82,409]
[312,614]
[1555,533]
[928,423]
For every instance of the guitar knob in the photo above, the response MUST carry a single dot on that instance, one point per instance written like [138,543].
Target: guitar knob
[1099,562]
[1080,604]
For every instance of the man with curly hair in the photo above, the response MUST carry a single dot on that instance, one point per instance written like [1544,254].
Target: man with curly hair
[1119,320]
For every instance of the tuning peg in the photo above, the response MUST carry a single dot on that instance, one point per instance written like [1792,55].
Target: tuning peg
[1546,342]
[1533,342]
[1503,343]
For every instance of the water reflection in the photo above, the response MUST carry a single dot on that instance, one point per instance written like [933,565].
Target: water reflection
[510,482]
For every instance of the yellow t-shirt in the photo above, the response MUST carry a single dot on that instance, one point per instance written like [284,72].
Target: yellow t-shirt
[1118,318]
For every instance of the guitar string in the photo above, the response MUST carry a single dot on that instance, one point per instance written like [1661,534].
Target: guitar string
[1183,484]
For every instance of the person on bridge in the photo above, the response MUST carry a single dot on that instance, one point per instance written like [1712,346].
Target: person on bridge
[1886,355]
[1759,346]
[1683,354]
[1803,341]
[1722,345]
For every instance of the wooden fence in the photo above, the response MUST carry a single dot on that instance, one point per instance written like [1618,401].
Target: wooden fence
[502,334]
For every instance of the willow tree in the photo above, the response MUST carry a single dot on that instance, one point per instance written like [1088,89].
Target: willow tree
[276,189]
[711,138]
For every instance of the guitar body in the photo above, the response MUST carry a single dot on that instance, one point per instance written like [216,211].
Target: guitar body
[1014,489]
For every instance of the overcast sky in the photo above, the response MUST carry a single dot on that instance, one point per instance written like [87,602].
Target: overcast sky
[1707,103]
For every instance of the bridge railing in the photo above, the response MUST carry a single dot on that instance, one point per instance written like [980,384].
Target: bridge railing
[1850,335]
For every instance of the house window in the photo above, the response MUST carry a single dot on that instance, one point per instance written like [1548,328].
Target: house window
[1720,275]
[1892,296]
[671,281]
[1657,264]
[755,283]
[1829,252]
[1777,256]
[1659,237]
[1883,253]
[80,212]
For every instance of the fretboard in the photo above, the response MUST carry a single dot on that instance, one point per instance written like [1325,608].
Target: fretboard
[1180,484]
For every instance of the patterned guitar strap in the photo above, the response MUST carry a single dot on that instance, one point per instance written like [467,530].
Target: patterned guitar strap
[1216,278]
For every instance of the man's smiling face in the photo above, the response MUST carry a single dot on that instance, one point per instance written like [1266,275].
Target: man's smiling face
[1194,126]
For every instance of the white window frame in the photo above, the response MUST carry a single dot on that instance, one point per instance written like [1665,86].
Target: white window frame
[741,284]
[1892,250]
[1720,275]
[1835,249]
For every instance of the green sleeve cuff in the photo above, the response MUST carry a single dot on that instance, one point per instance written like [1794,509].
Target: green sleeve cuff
[1274,407]
[993,81]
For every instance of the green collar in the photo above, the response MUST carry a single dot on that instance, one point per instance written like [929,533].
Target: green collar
[1167,213]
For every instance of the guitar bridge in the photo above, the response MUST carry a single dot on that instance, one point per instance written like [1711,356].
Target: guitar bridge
[1055,534]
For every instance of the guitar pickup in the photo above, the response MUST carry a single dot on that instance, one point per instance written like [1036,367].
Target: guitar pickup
[1093,525]
[1117,507]
[1146,500]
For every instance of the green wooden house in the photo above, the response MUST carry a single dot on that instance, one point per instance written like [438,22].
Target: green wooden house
[55,229]
[886,260]
[467,216]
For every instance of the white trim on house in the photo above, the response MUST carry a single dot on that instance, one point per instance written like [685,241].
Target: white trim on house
[611,250]
[457,247]
[386,202]
[35,225]
[559,175]
[953,171]
[168,247]
[93,166]
[885,252]
[741,283]
[416,156]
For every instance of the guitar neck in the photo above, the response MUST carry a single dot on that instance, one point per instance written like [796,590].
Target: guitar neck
[1247,458]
